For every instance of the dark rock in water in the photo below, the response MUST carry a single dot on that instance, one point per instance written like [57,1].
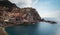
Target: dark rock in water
[10,14]
[52,22]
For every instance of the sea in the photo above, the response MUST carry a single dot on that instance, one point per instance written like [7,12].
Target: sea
[40,28]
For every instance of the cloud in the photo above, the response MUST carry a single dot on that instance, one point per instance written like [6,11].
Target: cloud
[54,13]
[47,9]
[44,8]
[24,3]
[15,1]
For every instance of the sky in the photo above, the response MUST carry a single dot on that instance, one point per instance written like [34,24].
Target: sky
[45,8]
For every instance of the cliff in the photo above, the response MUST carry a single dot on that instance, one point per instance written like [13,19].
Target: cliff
[10,14]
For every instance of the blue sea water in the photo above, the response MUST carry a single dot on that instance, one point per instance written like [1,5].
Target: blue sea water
[41,28]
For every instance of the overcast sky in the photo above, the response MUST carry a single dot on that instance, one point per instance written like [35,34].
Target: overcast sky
[46,8]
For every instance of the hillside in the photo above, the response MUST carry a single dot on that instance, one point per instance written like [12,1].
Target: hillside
[9,12]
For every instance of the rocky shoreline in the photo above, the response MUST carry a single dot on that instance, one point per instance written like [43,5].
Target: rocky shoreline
[11,15]
[2,31]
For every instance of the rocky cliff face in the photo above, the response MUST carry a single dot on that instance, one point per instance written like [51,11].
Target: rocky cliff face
[11,15]
[9,12]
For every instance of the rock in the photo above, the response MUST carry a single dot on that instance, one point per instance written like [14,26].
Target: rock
[18,14]
[3,0]
[7,3]
[2,31]
[12,14]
